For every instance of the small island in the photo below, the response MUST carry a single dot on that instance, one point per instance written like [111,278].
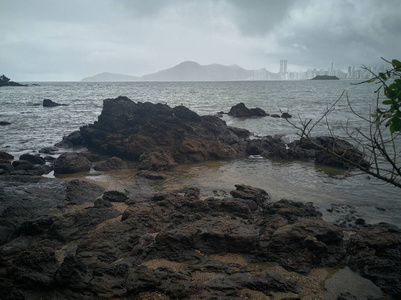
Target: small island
[325,77]
[5,81]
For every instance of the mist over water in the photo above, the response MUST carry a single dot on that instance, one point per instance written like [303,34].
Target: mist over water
[34,127]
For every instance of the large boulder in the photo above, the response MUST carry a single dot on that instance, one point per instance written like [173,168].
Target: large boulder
[34,159]
[71,163]
[4,156]
[156,132]
[241,111]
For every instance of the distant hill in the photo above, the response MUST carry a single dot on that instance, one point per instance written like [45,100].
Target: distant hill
[103,77]
[192,71]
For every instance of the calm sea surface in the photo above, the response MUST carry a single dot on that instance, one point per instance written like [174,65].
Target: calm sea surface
[34,127]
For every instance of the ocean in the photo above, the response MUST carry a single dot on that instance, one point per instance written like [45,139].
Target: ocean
[34,127]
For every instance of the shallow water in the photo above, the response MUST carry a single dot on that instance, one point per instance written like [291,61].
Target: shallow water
[34,127]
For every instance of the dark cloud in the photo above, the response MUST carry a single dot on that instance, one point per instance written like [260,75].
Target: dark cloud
[68,40]
[258,17]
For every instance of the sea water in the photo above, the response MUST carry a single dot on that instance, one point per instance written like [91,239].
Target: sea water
[34,127]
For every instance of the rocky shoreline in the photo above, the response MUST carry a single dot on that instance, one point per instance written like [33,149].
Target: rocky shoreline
[72,239]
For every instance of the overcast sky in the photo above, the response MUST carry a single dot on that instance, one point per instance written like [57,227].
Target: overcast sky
[51,40]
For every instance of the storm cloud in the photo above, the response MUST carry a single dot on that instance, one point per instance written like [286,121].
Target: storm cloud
[69,40]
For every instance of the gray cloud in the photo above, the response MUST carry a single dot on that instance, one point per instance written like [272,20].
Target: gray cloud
[68,40]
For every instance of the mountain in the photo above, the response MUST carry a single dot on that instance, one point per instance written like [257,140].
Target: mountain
[192,71]
[106,76]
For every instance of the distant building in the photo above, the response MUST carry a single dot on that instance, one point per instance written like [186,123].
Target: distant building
[283,68]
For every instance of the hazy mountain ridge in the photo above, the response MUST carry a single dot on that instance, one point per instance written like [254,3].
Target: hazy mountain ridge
[106,76]
[190,71]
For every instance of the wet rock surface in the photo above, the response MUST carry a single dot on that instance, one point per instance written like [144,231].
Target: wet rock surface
[28,164]
[71,163]
[160,137]
[178,246]
[241,111]
[165,135]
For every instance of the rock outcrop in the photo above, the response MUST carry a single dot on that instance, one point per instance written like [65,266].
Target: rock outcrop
[178,246]
[160,136]
[51,103]
[5,81]
[274,147]
[241,111]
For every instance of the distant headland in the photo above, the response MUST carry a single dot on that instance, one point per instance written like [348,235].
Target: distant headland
[325,77]
[5,81]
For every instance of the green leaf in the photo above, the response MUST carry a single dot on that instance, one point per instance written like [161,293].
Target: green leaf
[396,63]
[383,76]
[387,102]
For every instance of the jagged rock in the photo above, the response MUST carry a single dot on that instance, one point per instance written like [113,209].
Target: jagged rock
[34,159]
[5,156]
[71,163]
[286,115]
[247,192]
[158,135]
[49,150]
[241,111]
[274,147]
[376,255]
[114,196]
[109,164]
[73,139]
[5,81]
[79,192]
[51,103]
[181,246]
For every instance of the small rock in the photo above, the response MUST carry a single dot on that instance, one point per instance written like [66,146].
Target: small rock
[114,196]
[286,115]
[51,103]
[5,156]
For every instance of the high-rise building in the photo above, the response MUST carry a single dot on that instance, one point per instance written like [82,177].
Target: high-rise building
[283,66]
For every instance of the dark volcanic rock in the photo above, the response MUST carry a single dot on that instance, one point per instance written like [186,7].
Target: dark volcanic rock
[51,103]
[241,111]
[73,139]
[178,246]
[114,196]
[71,163]
[160,136]
[79,192]
[34,159]
[5,81]
[5,156]
[376,255]
[286,115]
[274,147]
[109,164]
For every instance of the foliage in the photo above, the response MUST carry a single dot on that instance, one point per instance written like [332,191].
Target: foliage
[390,83]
